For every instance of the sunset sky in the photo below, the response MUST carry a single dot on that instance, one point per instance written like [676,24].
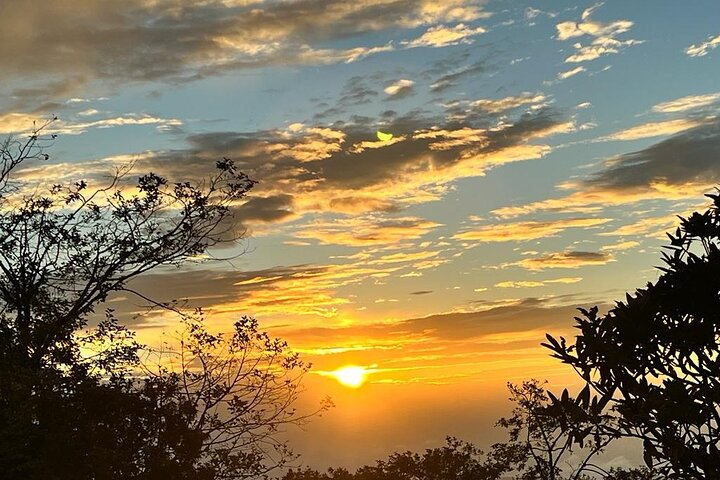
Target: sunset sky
[540,151]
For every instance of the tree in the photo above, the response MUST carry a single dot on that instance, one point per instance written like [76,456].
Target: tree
[540,445]
[654,360]
[239,390]
[67,414]
[455,460]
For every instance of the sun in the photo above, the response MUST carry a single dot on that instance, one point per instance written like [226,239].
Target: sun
[350,376]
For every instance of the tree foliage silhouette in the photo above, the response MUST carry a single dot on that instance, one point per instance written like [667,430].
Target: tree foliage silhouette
[540,446]
[78,406]
[653,359]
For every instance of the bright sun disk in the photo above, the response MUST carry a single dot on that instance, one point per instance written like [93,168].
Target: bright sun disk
[350,376]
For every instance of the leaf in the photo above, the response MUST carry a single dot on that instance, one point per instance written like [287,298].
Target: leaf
[648,448]
[583,398]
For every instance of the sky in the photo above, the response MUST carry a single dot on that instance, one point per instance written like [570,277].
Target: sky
[539,152]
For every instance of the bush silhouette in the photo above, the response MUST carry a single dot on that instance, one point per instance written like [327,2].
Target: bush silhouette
[653,360]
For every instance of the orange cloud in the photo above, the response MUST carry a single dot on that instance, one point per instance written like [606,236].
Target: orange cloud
[527,230]
[537,283]
[364,231]
[568,259]
[654,227]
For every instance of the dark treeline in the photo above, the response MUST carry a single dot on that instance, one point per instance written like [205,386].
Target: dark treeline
[81,399]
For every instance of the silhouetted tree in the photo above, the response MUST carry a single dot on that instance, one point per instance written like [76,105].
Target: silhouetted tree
[240,388]
[641,473]
[68,413]
[540,447]
[653,358]
[455,460]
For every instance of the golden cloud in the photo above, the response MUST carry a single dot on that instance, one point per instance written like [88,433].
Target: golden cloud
[531,230]
[690,102]
[537,283]
[442,36]
[365,231]
[568,259]
[655,129]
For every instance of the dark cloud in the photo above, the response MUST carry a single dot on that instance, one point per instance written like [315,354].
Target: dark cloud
[528,314]
[356,92]
[449,80]
[688,157]
[328,113]
[204,288]
[28,96]
[174,41]
[421,292]
[346,177]
[266,209]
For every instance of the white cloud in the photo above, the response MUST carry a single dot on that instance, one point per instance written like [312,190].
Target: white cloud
[702,49]
[508,103]
[604,42]
[401,86]
[443,36]
[570,73]
[682,104]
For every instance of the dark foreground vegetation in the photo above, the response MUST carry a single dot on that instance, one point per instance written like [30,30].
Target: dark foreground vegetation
[80,399]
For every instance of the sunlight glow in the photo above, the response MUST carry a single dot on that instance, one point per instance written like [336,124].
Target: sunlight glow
[384,137]
[350,376]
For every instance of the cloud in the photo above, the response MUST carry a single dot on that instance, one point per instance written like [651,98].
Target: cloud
[449,80]
[515,317]
[702,49]
[599,47]
[509,103]
[356,92]
[647,227]
[654,129]
[400,89]
[537,283]
[174,41]
[266,209]
[297,290]
[523,231]
[443,36]
[620,246]
[348,171]
[570,73]
[354,195]
[587,26]
[604,40]
[683,166]
[683,104]
[568,259]
[14,123]
[309,143]
[364,231]
[688,157]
